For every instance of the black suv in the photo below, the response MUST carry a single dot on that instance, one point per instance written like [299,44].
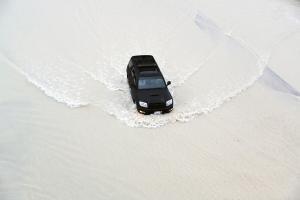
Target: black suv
[148,87]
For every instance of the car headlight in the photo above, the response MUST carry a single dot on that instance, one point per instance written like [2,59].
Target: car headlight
[143,104]
[169,102]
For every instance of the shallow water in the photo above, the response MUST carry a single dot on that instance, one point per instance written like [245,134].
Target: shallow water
[77,53]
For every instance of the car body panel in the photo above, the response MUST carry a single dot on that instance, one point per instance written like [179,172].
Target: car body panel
[146,66]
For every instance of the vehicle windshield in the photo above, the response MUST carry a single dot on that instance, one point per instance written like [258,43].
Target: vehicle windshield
[151,83]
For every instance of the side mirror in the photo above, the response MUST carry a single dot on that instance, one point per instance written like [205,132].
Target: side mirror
[169,83]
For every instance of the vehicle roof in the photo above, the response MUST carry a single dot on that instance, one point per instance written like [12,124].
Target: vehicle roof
[148,71]
[145,65]
[143,60]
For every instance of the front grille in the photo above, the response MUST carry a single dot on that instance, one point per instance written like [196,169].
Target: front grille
[156,105]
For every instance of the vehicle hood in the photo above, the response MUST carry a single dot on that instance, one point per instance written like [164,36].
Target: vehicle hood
[154,95]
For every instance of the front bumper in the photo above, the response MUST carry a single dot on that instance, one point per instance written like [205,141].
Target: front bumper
[143,110]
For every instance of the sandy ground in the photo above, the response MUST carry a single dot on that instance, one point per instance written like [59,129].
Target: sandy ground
[247,149]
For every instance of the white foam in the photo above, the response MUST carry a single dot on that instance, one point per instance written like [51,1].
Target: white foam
[78,55]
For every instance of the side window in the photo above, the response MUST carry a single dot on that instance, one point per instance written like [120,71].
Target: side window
[130,64]
[133,76]
[134,80]
[132,73]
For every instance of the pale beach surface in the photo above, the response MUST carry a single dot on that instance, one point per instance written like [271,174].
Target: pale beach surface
[69,130]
